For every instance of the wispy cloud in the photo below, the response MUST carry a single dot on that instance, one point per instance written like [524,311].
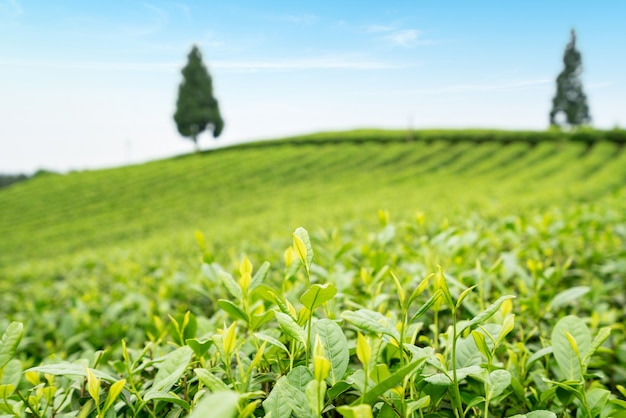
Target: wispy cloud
[325,63]
[91,65]
[405,38]
[494,87]
[10,9]
[331,63]
[159,16]
[301,19]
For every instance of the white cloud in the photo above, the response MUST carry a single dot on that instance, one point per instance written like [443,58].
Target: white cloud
[460,88]
[323,63]
[304,19]
[303,64]
[405,38]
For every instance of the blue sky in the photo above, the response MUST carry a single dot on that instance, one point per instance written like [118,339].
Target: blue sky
[94,84]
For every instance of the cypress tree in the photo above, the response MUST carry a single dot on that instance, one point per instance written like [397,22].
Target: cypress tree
[570,98]
[196,108]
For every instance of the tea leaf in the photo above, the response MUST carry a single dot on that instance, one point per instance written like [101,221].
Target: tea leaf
[285,399]
[486,314]
[300,377]
[536,414]
[564,353]
[70,369]
[371,322]
[418,404]
[93,385]
[497,382]
[395,379]
[569,295]
[212,382]
[357,411]
[12,373]
[230,284]
[199,347]
[114,391]
[291,328]
[302,245]
[233,310]
[171,369]
[219,404]
[602,336]
[10,340]
[273,341]
[427,305]
[317,295]
[335,346]
[440,379]
[259,276]
[363,349]
[481,344]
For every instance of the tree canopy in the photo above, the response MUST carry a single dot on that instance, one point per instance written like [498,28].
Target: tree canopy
[570,99]
[196,107]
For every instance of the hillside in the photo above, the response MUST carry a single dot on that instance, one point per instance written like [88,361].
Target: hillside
[251,192]
[443,276]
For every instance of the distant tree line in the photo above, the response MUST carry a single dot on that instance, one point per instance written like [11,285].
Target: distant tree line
[197,109]
[9,179]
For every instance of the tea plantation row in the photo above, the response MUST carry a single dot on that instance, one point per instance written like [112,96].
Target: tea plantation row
[493,285]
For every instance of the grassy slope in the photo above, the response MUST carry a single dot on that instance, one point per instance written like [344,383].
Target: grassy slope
[253,193]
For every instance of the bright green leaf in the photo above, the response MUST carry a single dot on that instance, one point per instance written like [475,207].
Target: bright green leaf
[317,295]
[486,314]
[564,354]
[357,411]
[10,340]
[569,295]
[171,369]
[290,327]
[219,404]
[335,347]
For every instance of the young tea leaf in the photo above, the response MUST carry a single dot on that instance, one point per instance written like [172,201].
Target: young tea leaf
[395,379]
[10,340]
[335,346]
[485,315]
[302,245]
[497,382]
[171,369]
[317,295]
[357,411]
[371,322]
[569,295]
[114,391]
[291,328]
[565,354]
[219,404]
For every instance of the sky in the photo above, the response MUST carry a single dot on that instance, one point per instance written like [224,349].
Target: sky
[88,85]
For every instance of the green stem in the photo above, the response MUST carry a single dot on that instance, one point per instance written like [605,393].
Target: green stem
[458,406]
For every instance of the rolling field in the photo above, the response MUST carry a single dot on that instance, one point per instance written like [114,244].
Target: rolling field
[449,278]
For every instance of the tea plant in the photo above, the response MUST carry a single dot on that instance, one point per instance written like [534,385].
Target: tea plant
[353,331]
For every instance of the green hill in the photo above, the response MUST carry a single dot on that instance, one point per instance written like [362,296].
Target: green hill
[262,190]
[501,253]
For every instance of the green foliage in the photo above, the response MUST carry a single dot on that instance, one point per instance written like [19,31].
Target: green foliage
[570,98]
[502,294]
[322,350]
[196,108]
